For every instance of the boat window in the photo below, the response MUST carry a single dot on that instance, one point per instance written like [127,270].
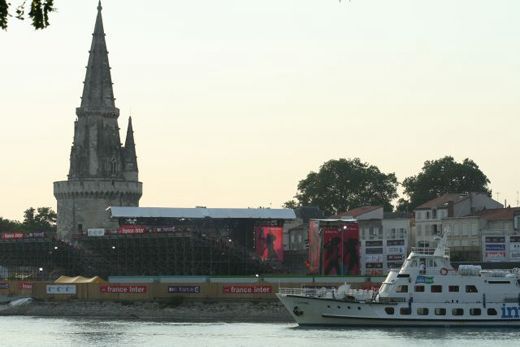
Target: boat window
[422,311]
[401,289]
[474,311]
[403,275]
[457,312]
[414,263]
[492,312]
[405,311]
[499,282]
[471,289]
[389,310]
[440,311]
[453,289]
[419,289]
[436,289]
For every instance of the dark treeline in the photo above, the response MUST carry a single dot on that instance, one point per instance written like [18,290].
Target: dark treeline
[42,219]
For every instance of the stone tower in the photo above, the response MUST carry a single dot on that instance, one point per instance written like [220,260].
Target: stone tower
[102,172]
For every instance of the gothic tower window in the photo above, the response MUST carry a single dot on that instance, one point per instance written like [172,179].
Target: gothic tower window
[113,167]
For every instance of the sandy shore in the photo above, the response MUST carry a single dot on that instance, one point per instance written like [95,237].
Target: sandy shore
[243,311]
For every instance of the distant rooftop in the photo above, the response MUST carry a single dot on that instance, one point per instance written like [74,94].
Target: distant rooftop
[356,212]
[201,212]
[499,213]
[443,200]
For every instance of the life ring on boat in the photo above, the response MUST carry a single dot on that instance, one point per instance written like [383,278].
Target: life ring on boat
[444,271]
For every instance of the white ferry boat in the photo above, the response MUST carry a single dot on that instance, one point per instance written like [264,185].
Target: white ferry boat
[426,291]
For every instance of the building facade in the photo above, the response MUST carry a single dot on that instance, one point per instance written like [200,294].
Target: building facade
[102,172]
[383,239]
[429,216]
[489,235]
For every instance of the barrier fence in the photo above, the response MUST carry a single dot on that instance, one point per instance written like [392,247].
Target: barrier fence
[153,291]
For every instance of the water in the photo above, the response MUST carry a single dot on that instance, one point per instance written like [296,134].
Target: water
[23,331]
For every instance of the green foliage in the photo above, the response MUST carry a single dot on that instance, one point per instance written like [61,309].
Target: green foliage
[41,219]
[35,220]
[344,184]
[7,225]
[39,12]
[442,176]
[290,204]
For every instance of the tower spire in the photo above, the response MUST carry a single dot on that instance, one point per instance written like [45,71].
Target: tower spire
[129,154]
[97,92]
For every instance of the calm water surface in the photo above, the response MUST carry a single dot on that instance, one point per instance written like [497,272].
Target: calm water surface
[22,331]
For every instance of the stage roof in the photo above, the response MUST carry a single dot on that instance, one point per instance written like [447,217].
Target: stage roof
[200,213]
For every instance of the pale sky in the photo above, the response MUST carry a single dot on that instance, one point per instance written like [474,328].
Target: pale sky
[235,101]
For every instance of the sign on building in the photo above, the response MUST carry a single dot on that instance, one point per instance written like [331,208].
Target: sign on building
[96,232]
[61,289]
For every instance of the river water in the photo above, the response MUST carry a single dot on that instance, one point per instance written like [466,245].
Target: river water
[22,331]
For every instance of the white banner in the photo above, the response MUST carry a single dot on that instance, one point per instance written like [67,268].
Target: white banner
[395,250]
[61,289]
[374,258]
[96,232]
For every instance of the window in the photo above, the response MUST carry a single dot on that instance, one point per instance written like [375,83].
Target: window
[474,311]
[436,289]
[113,166]
[419,289]
[491,312]
[471,289]
[427,214]
[434,213]
[401,289]
[453,289]
[457,312]
[389,310]
[422,311]
[440,311]
[405,311]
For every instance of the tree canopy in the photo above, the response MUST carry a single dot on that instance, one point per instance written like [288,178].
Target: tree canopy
[35,220]
[344,184]
[38,12]
[442,176]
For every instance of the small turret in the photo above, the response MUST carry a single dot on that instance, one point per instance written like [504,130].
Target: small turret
[130,170]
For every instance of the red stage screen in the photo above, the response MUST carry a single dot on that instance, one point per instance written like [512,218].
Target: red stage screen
[269,242]
[341,249]
[351,257]
[332,251]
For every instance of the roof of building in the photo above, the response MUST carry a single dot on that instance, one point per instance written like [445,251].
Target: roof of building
[201,212]
[356,212]
[499,213]
[443,200]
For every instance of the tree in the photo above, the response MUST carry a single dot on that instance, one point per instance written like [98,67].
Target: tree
[344,184]
[7,225]
[290,204]
[43,220]
[38,13]
[442,176]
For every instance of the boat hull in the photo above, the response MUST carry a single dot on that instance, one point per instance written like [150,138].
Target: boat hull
[312,311]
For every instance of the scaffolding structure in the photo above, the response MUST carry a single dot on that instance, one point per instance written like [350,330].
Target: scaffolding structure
[202,247]
[37,259]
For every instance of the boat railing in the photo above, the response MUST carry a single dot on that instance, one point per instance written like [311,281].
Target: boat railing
[305,291]
[429,250]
